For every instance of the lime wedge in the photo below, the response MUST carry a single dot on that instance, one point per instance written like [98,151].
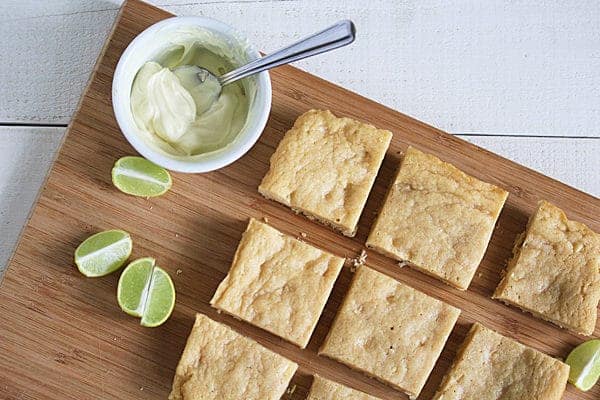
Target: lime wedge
[146,291]
[161,299]
[140,177]
[584,361]
[103,253]
[132,289]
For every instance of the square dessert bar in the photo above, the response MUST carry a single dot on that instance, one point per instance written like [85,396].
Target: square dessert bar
[324,389]
[219,363]
[490,366]
[555,271]
[325,167]
[389,331]
[278,283]
[437,218]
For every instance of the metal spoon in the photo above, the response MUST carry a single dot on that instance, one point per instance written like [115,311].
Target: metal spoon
[338,35]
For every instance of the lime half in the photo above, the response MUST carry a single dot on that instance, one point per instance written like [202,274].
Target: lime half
[103,253]
[584,361]
[140,177]
[146,291]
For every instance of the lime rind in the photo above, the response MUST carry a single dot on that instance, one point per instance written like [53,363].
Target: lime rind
[139,177]
[103,253]
[146,291]
[584,363]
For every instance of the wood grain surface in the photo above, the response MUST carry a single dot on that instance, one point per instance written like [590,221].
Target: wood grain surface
[64,337]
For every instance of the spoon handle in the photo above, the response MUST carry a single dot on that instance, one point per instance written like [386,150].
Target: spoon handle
[338,35]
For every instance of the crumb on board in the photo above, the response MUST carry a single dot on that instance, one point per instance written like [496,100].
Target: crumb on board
[358,261]
[177,235]
[303,234]
[265,219]
[291,390]
[178,272]
[402,264]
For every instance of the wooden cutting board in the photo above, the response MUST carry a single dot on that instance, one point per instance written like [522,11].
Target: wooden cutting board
[63,336]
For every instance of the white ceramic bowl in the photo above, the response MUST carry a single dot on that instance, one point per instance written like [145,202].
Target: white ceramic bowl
[146,46]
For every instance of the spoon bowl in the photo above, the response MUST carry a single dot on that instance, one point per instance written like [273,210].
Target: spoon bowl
[204,87]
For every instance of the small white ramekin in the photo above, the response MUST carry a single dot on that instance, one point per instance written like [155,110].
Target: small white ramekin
[145,46]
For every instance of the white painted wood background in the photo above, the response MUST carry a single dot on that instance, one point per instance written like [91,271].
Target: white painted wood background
[520,78]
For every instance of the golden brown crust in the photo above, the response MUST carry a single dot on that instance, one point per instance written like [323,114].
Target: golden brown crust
[278,283]
[389,331]
[325,167]
[490,366]
[555,272]
[437,218]
[219,363]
